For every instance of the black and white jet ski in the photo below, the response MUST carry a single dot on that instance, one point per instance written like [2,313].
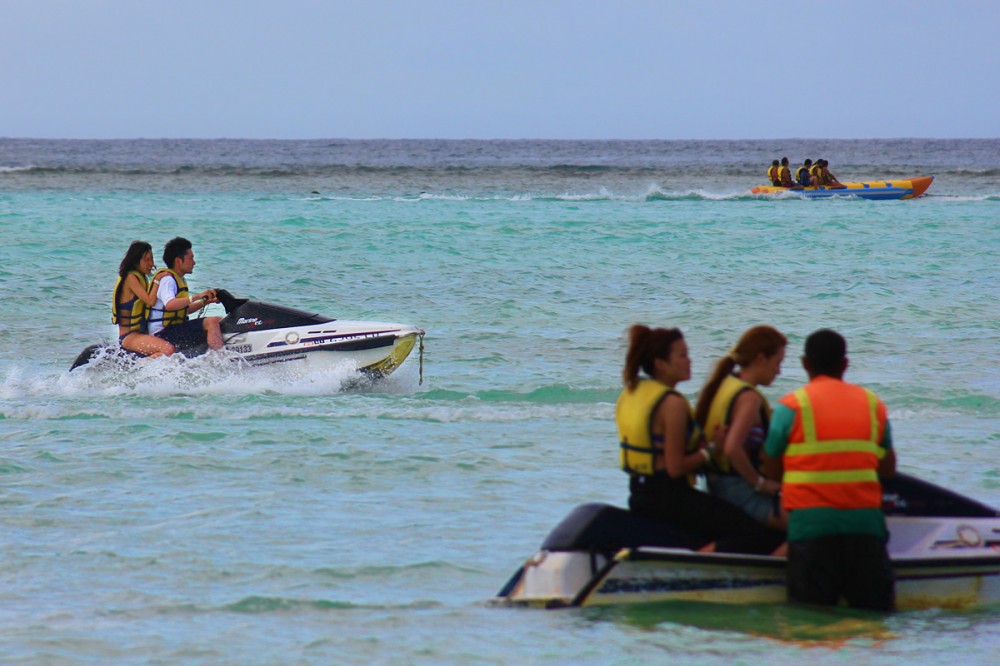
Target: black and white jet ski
[945,551]
[261,333]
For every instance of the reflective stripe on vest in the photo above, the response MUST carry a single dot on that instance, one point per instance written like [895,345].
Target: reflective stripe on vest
[835,473]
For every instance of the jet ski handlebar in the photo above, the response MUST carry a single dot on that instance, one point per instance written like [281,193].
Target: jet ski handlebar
[229,302]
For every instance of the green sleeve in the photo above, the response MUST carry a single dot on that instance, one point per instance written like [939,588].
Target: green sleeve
[778,430]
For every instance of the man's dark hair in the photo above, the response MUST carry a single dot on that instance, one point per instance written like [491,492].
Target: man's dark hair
[825,351]
[784,161]
[174,249]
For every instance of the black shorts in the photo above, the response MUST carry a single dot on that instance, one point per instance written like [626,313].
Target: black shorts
[853,566]
[184,336]
[675,502]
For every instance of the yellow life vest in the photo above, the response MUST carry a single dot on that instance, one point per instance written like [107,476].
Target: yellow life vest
[135,317]
[634,413]
[172,317]
[772,173]
[816,171]
[798,172]
[721,414]
[782,170]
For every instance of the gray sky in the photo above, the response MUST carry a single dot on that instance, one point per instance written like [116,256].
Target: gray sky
[583,69]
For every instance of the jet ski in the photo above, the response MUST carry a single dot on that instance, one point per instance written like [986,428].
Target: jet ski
[944,548]
[260,333]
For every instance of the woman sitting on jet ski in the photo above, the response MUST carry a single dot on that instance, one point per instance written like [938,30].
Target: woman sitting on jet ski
[134,296]
[662,447]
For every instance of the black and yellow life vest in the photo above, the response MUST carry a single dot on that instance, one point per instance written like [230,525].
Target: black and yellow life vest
[772,174]
[798,173]
[135,314]
[721,414]
[634,413]
[171,317]
[816,171]
[782,170]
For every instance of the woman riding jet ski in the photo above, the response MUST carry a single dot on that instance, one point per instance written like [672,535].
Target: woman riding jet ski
[264,333]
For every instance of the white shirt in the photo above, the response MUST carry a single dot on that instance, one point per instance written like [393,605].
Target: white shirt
[166,293]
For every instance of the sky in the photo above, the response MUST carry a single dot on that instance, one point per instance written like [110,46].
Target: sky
[510,69]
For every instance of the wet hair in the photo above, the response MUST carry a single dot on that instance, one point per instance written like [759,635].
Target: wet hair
[133,255]
[825,352]
[765,340]
[644,347]
[175,248]
[774,163]
[784,161]
[807,162]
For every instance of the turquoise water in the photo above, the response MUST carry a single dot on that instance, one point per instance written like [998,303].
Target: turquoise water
[196,512]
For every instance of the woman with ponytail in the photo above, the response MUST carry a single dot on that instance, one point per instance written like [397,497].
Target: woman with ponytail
[662,447]
[731,403]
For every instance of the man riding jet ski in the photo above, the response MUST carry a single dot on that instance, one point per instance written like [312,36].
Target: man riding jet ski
[262,333]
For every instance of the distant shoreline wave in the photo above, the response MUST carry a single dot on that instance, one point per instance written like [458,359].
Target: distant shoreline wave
[527,170]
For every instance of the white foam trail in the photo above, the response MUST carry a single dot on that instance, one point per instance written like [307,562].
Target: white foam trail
[216,373]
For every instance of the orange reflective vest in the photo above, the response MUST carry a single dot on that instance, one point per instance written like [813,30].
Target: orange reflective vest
[834,447]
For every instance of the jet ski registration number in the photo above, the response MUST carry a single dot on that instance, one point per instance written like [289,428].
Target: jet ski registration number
[240,349]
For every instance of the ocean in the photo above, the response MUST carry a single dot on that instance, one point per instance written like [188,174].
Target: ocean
[197,512]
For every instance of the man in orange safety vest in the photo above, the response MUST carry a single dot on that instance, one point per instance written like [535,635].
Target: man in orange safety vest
[828,443]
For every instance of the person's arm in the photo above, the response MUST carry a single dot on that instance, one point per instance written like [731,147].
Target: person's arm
[672,415]
[201,300]
[778,431]
[887,465]
[745,411]
[168,294]
[133,285]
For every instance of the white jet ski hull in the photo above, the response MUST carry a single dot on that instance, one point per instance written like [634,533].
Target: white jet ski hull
[939,561]
[263,334]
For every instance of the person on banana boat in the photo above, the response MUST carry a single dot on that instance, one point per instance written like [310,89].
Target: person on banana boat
[826,178]
[785,176]
[731,402]
[816,173]
[661,448]
[134,295]
[772,173]
[802,176]
[169,319]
